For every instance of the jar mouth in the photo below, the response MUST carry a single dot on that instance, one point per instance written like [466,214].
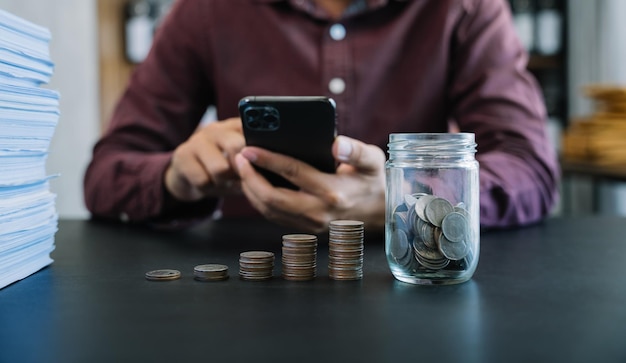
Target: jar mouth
[432,142]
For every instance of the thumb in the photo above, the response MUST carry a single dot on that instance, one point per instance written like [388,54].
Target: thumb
[363,157]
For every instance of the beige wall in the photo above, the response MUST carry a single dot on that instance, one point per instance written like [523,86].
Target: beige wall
[74,51]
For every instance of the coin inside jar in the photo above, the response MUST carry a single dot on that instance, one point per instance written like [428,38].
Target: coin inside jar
[453,250]
[455,227]
[436,210]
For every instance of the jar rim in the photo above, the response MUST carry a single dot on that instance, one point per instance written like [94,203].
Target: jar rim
[433,136]
[442,144]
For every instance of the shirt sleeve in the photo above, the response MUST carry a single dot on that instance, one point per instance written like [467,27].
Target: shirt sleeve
[494,96]
[162,106]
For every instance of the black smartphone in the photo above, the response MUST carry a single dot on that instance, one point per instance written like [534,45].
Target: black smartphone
[303,127]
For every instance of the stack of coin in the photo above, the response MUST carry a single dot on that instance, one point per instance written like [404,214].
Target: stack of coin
[162,275]
[210,272]
[256,265]
[345,250]
[299,257]
[431,230]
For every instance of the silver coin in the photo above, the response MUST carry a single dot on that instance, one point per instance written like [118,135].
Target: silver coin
[436,209]
[412,220]
[463,211]
[453,250]
[343,224]
[422,250]
[256,255]
[420,206]
[300,237]
[438,233]
[427,232]
[417,225]
[455,227]
[211,267]
[400,220]
[432,264]
[409,200]
[399,247]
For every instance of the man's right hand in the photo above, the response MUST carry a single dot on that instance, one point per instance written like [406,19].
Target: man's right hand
[202,166]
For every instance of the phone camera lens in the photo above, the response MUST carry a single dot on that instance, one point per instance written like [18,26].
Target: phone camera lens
[270,122]
[252,113]
[255,124]
[271,119]
[261,118]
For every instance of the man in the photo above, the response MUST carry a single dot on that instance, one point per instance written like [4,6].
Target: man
[390,65]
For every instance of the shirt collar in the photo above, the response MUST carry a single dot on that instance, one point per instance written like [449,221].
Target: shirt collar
[358,6]
[370,2]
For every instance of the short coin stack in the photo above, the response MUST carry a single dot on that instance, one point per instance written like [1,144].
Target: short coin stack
[256,265]
[299,257]
[163,275]
[345,250]
[210,272]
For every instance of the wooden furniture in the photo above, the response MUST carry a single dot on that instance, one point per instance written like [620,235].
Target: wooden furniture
[115,70]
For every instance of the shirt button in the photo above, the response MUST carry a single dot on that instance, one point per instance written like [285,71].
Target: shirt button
[337,85]
[337,32]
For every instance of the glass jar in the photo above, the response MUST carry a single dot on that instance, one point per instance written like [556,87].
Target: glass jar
[432,225]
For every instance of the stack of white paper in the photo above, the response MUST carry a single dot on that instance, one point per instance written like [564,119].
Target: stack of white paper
[28,118]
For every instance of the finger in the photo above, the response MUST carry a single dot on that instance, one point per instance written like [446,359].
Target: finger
[186,180]
[283,206]
[186,166]
[215,163]
[229,135]
[216,144]
[363,157]
[297,172]
[250,178]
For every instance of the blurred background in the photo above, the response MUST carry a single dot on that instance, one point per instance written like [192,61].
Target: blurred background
[578,55]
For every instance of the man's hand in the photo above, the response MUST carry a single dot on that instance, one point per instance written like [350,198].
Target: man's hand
[203,165]
[355,191]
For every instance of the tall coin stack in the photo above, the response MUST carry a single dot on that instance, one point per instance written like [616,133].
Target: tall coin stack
[299,257]
[345,250]
[256,265]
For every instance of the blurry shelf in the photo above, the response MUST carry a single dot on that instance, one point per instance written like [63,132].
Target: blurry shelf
[614,172]
[540,62]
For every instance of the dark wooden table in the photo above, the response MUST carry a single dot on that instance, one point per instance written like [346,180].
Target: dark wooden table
[553,292]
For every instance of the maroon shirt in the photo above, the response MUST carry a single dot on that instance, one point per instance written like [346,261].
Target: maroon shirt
[405,66]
